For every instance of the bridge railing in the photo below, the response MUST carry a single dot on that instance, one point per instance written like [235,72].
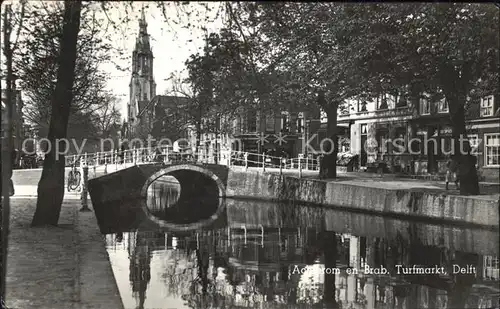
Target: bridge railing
[134,156]
[248,159]
[120,159]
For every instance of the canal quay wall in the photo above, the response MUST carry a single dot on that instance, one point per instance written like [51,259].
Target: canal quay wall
[417,203]
[254,215]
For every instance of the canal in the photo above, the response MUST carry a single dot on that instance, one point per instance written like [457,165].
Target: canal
[284,255]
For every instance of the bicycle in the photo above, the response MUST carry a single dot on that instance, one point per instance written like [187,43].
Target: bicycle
[74,178]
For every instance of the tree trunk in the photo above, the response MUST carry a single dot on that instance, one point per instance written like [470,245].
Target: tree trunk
[328,165]
[51,185]
[455,88]
[467,173]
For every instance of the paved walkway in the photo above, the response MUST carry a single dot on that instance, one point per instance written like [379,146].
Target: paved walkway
[57,267]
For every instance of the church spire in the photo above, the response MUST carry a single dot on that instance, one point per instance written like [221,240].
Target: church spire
[142,85]
[142,42]
[143,25]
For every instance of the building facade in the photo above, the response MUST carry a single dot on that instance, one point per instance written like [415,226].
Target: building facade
[278,132]
[414,136]
[164,117]
[484,133]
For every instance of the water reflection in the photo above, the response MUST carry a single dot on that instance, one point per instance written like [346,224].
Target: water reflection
[162,193]
[165,202]
[290,256]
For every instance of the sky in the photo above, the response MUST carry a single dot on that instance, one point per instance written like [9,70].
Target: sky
[172,41]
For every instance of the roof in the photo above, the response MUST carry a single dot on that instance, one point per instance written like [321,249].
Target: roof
[167,101]
[163,102]
[142,104]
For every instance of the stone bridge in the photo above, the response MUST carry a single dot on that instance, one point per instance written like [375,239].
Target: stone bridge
[119,198]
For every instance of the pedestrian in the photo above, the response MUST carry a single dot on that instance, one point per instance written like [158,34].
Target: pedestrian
[451,174]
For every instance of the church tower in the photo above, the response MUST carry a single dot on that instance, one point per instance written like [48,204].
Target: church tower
[142,85]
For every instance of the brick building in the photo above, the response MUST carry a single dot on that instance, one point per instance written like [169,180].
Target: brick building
[424,131]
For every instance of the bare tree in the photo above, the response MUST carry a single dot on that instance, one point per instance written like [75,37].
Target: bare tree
[183,117]
[38,65]
[107,116]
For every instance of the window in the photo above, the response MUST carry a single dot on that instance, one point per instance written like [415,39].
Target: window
[284,122]
[474,144]
[402,97]
[383,102]
[362,106]
[300,125]
[252,121]
[382,139]
[363,129]
[425,107]
[270,122]
[443,106]
[323,117]
[487,106]
[491,149]
[490,268]
[240,124]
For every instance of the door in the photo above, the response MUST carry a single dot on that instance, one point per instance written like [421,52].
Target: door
[364,156]
[364,139]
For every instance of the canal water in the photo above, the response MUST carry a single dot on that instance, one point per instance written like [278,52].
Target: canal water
[283,255]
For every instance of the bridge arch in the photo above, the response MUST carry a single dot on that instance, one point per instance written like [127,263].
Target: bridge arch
[193,180]
[176,171]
